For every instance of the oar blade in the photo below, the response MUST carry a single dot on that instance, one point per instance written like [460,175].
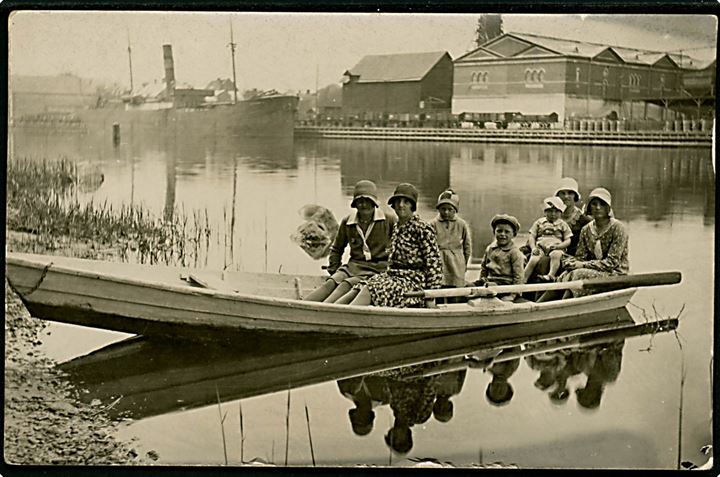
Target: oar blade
[633,281]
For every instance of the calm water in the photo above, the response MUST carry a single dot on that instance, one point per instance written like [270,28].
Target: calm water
[666,197]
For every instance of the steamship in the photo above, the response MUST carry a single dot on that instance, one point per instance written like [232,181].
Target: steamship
[187,111]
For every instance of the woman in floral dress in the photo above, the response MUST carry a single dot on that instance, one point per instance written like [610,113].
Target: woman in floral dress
[602,247]
[414,258]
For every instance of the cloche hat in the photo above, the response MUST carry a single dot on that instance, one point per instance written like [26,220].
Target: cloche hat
[568,183]
[407,191]
[365,189]
[449,197]
[601,193]
[555,202]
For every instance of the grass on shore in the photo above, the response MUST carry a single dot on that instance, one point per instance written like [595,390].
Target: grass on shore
[42,202]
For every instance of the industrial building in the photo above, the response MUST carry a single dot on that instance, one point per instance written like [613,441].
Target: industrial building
[411,83]
[539,75]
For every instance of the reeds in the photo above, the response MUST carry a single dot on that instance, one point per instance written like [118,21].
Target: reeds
[42,200]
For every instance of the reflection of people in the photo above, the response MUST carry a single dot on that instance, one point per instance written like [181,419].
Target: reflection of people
[367,231]
[367,392]
[453,237]
[605,370]
[549,237]
[499,391]
[447,386]
[412,403]
[414,257]
[503,262]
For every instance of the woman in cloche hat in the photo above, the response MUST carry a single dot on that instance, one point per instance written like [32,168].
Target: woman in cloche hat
[602,247]
[414,257]
[367,231]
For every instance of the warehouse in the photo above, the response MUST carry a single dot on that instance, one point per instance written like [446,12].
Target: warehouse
[399,84]
[539,75]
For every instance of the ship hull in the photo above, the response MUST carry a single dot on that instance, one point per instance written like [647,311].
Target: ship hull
[270,117]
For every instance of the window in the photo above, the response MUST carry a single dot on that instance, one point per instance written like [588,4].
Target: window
[577,74]
[534,78]
[479,80]
[634,81]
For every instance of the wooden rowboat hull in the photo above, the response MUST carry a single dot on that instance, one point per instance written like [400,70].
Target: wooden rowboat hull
[150,300]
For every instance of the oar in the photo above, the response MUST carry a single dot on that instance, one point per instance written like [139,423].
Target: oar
[612,283]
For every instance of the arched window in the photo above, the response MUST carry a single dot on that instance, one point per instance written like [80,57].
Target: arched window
[577,74]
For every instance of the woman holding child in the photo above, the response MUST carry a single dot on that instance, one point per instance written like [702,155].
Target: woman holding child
[568,192]
[414,257]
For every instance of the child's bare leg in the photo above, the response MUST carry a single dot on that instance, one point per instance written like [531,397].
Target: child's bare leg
[534,259]
[322,292]
[348,297]
[555,257]
[341,290]
[363,298]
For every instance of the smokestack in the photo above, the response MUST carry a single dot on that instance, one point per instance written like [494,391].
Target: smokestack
[169,71]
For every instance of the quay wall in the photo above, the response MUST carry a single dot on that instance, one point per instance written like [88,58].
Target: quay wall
[537,136]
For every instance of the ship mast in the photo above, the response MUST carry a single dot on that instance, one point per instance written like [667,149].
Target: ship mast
[130,61]
[232,51]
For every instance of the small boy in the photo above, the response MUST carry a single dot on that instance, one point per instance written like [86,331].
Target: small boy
[503,262]
[549,237]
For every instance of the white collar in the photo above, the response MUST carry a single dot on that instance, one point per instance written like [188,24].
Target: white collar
[377,215]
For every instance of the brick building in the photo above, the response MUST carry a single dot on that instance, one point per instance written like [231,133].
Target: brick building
[538,75]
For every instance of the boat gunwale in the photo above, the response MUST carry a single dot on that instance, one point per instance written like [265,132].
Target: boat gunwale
[453,311]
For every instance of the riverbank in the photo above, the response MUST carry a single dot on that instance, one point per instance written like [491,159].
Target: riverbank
[524,136]
[45,423]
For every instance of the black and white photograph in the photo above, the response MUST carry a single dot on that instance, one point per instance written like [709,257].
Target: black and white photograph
[360,240]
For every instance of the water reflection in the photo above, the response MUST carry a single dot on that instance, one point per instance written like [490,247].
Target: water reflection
[416,377]
[418,392]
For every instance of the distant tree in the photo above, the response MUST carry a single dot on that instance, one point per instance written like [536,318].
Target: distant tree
[489,26]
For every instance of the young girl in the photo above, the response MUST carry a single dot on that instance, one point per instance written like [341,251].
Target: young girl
[503,261]
[453,237]
[549,236]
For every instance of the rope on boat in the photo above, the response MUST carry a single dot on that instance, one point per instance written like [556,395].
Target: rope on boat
[42,278]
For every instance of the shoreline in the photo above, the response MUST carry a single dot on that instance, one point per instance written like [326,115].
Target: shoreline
[521,136]
[45,423]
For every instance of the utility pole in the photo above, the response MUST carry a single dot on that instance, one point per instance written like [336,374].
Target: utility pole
[232,51]
[130,60]
[317,94]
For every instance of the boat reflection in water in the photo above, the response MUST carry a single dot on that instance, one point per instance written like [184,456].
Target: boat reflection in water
[416,377]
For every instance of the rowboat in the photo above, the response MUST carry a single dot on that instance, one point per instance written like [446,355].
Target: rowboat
[155,376]
[145,299]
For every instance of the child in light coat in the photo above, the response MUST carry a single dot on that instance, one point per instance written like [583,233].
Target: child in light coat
[453,237]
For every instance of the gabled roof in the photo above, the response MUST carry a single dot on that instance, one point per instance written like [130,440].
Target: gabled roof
[563,46]
[397,67]
[520,45]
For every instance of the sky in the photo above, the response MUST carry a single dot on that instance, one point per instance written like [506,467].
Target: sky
[296,51]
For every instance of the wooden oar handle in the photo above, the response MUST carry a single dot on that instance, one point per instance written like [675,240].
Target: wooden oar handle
[609,283]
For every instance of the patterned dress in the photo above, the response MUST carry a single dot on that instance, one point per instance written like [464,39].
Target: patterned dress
[577,220]
[414,265]
[604,253]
